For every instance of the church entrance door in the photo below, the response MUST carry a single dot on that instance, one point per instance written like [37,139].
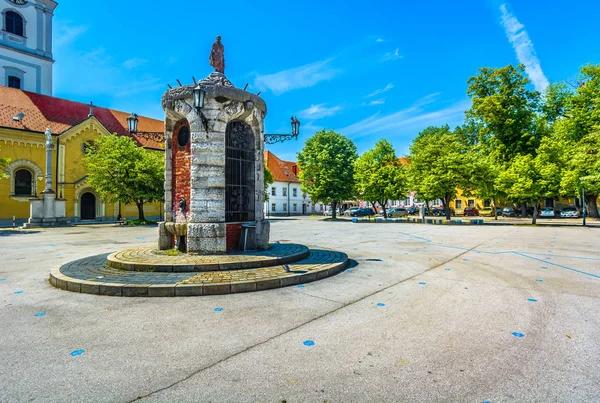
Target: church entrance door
[88,206]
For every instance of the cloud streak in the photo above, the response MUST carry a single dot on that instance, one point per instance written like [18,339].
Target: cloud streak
[415,116]
[380,91]
[67,33]
[391,56]
[318,111]
[134,62]
[304,76]
[521,43]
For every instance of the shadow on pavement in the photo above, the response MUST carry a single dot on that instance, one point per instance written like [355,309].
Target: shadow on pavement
[16,232]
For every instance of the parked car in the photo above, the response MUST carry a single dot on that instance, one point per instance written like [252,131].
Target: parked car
[412,210]
[547,212]
[395,212]
[509,212]
[438,211]
[362,212]
[329,212]
[348,213]
[487,212]
[569,212]
[470,211]
[499,211]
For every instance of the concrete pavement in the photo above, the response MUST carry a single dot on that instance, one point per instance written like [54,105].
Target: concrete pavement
[428,313]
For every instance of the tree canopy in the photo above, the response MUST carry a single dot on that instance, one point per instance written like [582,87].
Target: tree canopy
[326,167]
[268,179]
[120,171]
[380,176]
[439,164]
[505,109]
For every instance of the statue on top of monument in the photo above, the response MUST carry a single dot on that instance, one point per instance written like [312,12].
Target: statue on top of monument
[48,135]
[217,56]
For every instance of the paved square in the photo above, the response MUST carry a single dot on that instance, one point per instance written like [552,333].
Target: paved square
[428,313]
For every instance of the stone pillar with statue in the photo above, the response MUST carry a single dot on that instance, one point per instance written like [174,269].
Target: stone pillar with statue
[214,144]
[47,211]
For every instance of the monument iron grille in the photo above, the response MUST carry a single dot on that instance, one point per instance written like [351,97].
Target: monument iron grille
[239,172]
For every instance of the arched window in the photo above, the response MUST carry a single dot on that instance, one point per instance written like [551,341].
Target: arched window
[239,172]
[23,183]
[14,23]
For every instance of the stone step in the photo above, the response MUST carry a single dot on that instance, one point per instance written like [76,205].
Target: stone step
[150,259]
[92,275]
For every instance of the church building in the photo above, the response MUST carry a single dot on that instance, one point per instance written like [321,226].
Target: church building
[26,45]
[27,109]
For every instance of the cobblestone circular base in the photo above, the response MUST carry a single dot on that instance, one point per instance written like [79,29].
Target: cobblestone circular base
[147,259]
[92,275]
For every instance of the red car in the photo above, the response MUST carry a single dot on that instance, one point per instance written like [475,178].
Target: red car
[471,211]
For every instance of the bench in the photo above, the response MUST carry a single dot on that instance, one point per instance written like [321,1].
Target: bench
[121,221]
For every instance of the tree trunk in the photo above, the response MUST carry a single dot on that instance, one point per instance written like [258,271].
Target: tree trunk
[524,209]
[384,210]
[535,213]
[446,205]
[334,211]
[495,209]
[140,206]
[591,208]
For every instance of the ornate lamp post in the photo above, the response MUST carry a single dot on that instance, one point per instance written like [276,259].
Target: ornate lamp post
[280,138]
[132,126]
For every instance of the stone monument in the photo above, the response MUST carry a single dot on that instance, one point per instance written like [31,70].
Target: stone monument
[47,211]
[214,144]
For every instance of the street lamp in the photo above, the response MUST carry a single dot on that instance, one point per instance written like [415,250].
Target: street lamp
[295,127]
[280,138]
[132,123]
[199,95]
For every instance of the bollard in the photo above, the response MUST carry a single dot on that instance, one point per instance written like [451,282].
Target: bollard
[14,222]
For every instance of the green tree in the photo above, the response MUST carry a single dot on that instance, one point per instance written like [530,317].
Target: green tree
[326,167]
[531,179]
[505,109]
[584,112]
[268,179]
[379,176]
[583,170]
[120,171]
[439,164]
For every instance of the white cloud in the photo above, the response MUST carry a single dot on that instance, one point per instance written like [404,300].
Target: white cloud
[391,56]
[380,91]
[379,40]
[67,33]
[413,117]
[519,39]
[297,77]
[318,111]
[134,62]
[375,102]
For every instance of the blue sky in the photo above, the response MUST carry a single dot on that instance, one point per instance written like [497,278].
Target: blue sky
[368,70]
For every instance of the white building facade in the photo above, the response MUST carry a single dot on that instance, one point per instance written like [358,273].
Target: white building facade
[26,45]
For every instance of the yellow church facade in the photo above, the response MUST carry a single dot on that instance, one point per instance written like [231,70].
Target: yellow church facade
[24,118]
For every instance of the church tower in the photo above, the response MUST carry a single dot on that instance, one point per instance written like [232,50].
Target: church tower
[26,44]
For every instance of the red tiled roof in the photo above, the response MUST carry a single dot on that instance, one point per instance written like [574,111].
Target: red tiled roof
[283,171]
[59,114]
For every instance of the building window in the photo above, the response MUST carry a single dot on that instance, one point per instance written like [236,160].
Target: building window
[273,191]
[458,204]
[487,203]
[14,23]
[23,183]
[273,206]
[471,203]
[295,192]
[295,207]
[284,191]
[284,206]
[14,82]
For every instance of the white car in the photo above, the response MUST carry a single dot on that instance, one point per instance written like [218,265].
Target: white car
[569,212]
[547,212]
